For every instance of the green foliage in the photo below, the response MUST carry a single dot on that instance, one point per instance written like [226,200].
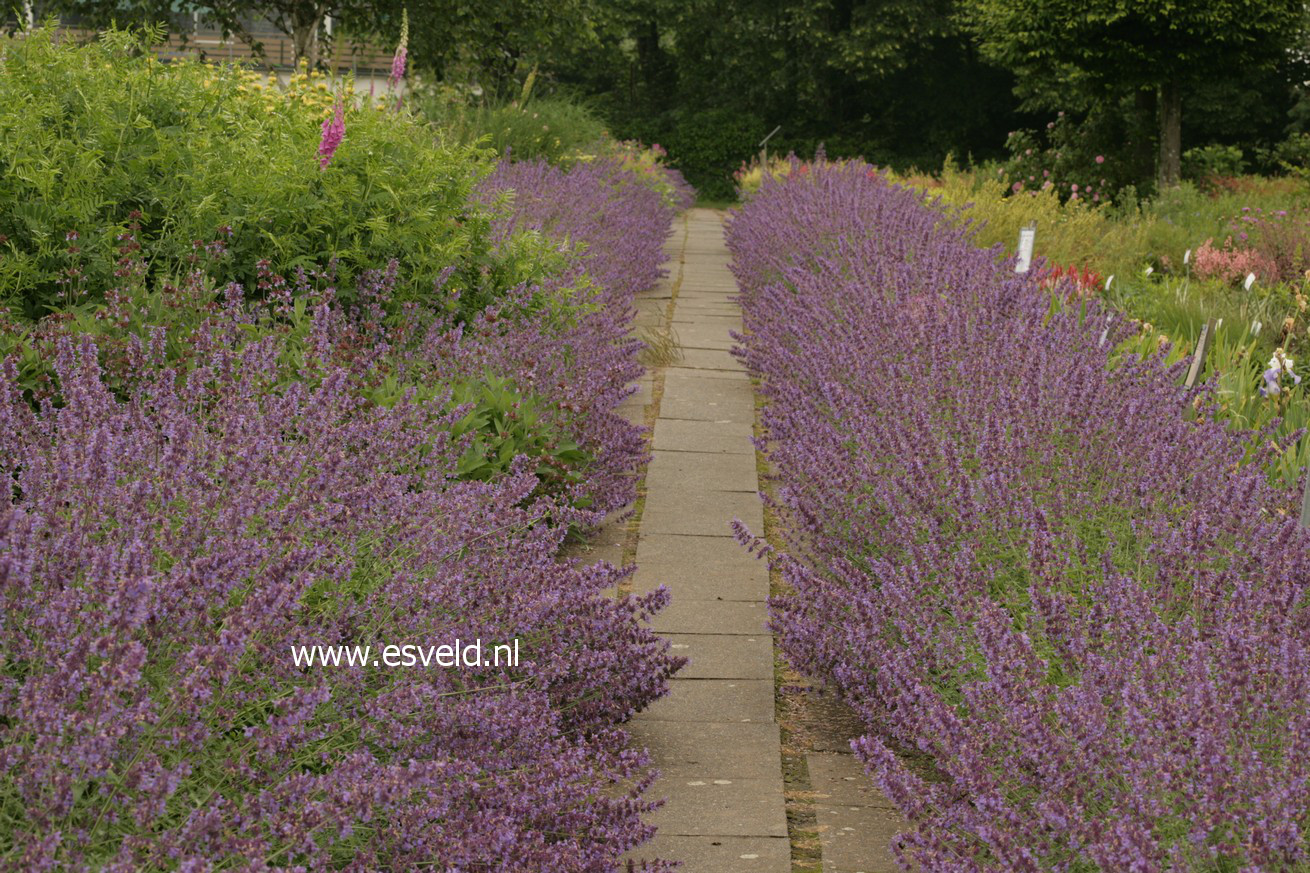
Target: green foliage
[1144,247]
[496,41]
[708,146]
[889,79]
[1292,155]
[499,423]
[553,129]
[503,423]
[1068,158]
[1108,49]
[1241,349]
[95,138]
[1121,239]
[1200,164]
[1116,47]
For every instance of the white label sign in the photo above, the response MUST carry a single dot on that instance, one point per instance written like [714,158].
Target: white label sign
[1026,237]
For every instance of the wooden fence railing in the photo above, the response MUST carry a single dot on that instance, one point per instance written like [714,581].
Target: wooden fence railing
[278,52]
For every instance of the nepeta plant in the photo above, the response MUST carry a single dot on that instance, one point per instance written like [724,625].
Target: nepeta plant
[176,523]
[1051,576]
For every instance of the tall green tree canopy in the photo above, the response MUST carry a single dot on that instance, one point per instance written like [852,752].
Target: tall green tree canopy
[1113,48]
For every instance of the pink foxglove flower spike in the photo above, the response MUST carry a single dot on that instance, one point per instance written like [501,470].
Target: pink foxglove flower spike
[402,53]
[334,130]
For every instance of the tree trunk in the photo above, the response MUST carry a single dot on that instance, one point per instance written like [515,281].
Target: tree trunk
[1145,123]
[305,22]
[1171,136]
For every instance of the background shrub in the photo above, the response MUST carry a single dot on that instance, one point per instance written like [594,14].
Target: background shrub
[1200,164]
[709,146]
[99,137]
[553,129]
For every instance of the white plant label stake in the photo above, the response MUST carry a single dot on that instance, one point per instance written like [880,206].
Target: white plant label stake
[1027,235]
[1305,505]
[1198,357]
[1250,280]
[1108,281]
[1105,332]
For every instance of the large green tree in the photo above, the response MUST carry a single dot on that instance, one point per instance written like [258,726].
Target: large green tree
[896,80]
[1114,48]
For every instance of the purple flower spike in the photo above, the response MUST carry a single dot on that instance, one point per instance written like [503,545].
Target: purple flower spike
[1091,609]
[402,52]
[334,130]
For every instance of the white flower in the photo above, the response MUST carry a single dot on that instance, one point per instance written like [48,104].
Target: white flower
[1281,362]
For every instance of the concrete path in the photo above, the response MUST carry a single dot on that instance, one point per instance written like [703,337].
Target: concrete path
[714,738]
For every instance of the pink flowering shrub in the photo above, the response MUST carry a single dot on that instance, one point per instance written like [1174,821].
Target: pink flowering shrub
[174,527]
[1232,264]
[1036,570]
[1067,158]
[1280,236]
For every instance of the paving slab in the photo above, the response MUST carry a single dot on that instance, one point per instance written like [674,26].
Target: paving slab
[840,780]
[725,323]
[704,301]
[713,700]
[697,335]
[719,854]
[696,554]
[858,839]
[604,544]
[688,582]
[721,342]
[692,435]
[719,287]
[690,511]
[724,656]
[715,471]
[676,372]
[700,386]
[720,293]
[709,359]
[724,807]
[727,408]
[645,388]
[713,737]
[731,750]
[688,616]
[634,412]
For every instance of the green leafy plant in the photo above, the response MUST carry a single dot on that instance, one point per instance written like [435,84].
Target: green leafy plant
[554,129]
[709,146]
[1200,164]
[503,423]
[205,158]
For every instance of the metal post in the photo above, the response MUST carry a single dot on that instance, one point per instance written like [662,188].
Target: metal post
[764,146]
